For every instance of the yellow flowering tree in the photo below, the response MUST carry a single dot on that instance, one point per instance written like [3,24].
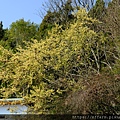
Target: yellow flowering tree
[46,71]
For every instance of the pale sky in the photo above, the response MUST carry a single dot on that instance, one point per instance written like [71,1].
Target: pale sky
[12,10]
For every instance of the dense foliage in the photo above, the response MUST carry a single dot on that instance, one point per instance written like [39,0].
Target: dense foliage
[19,32]
[64,70]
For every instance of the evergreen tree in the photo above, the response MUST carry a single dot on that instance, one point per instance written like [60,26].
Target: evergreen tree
[1,30]
[47,23]
[20,32]
[63,16]
[98,11]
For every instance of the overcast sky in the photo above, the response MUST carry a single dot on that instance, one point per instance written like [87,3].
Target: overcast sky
[12,10]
